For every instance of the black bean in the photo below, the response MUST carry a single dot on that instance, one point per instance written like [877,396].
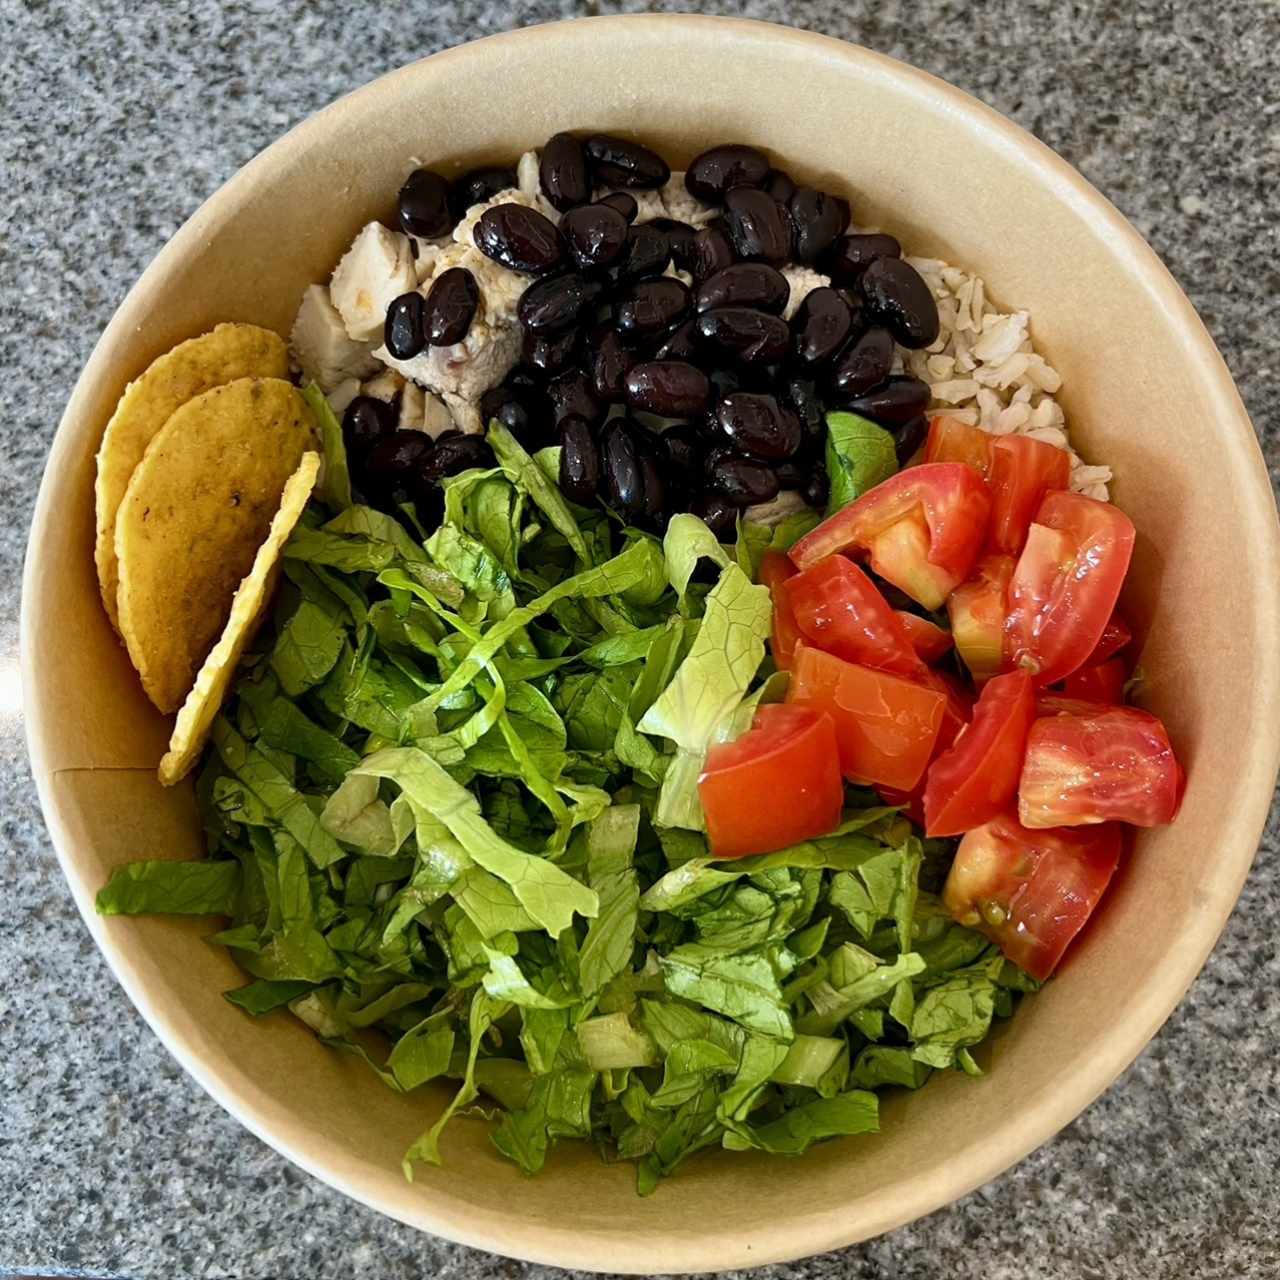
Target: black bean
[680,343]
[562,172]
[822,326]
[403,330]
[817,487]
[718,514]
[556,303]
[680,237]
[714,172]
[863,365]
[596,235]
[909,438]
[758,425]
[745,284]
[780,186]
[610,361]
[791,473]
[746,334]
[478,186]
[743,481]
[897,296]
[458,454]
[520,239]
[850,256]
[450,307]
[524,411]
[894,403]
[647,254]
[579,460]
[550,354]
[623,202]
[652,461]
[819,218]
[571,393]
[724,382]
[623,478]
[524,380]
[616,162]
[712,251]
[365,422]
[424,205]
[652,306]
[395,461]
[671,388]
[759,227]
[801,396]
[683,451]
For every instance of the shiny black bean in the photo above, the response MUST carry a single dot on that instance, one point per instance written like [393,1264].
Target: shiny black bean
[680,343]
[423,205]
[894,403]
[579,460]
[521,239]
[817,488]
[780,186]
[712,251]
[524,380]
[524,411]
[671,388]
[617,162]
[822,326]
[596,235]
[759,227]
[571,393]
[556,303]
[478,186]
[610,361]
[791,474]
[647,254]
[450,307]
[458,454]
[909,438]
[801,396]
[403,330]
[623,202]
[715,171]
[652,480]
[652,306]
[743,481]
[745,284]
[550,354]
[366,421]
[683,451]
[746,334]
[623,478]
[563,173]
[758,425]
[394,462]
[897,296]
[819,218]
[680,237]
[863,365]
[850,256]
[718,514]
[724,382]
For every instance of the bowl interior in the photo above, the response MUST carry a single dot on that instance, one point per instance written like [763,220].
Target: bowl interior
[1144,391]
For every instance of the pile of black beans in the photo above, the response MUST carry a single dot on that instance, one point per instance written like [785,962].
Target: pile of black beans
[607,336]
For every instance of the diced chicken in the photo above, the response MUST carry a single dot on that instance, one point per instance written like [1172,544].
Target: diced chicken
[386,386]
[411,402]
[436,418]
[321,346]
[422,410]
[803,281]
[424,265]
[342,395]
[375,271]
[680,205]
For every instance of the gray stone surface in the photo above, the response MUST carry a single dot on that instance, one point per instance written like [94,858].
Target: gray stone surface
[119,118]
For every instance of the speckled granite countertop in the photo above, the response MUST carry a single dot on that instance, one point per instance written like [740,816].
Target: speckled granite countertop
[119,119]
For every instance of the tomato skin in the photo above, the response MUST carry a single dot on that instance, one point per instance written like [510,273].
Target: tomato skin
[956,714]
[776,785]
[1108,764]
[839,609]
[1031,892]
[1065,584]
[977,610]
[775,569]
[1020,473]
[976,780]
[1101,683]
[929,640]
[886,725]
[921,529]
[951,440]
[1051,703]
[1115,637]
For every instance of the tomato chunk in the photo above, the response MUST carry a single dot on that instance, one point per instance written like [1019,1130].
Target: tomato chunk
[1049,703]
[977,610]
[1021,472]
[1115,636]
[886,725]
[1101,683]
[776,785]
[921,529]
[951,440]
[977,778]
[929,640]
[1107,764]
[1031,892]
[956,714]
[1065,584]
[839,609]
[775,569]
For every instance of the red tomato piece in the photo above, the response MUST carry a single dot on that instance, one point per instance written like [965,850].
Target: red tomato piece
[977,778]
[929,640]
[977,610]
[776,785]
[775,569]
[886,725]
[1049,703]
[1065,584]
[921,529]
[955,715]
[1109,764]
[1022,471]
[951,440]
[1031,892]
[1101,683]
[1115,636]
[839,609]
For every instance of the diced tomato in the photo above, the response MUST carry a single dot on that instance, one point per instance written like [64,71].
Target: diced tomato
[1115,636]
[1065,584]
[955,716]
[1101,683]
[776,785]
[839,609]
[977,610]
[1021,472]
[1108,764]
[1031,892]
[929,640]
[886,725]
[921,529]
[951,440]
[775,569]
[1049,703]
[977,779]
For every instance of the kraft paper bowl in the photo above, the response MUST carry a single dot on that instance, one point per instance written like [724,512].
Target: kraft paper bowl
[1144,390]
